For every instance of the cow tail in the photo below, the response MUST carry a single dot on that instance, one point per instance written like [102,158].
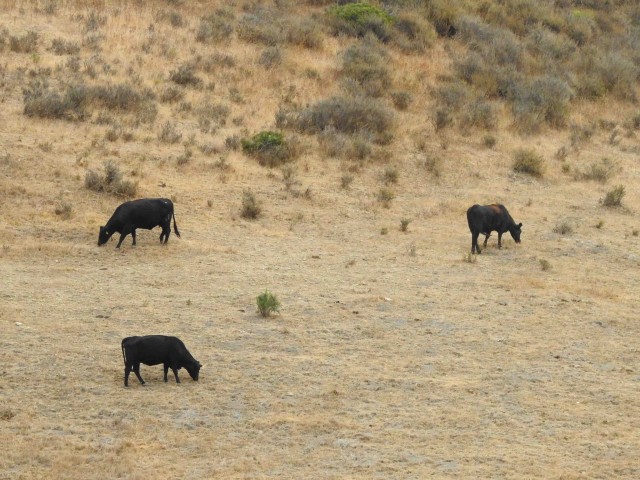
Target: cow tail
[175,227]
[124,358]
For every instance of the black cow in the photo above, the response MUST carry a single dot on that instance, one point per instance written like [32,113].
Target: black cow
[487,218]
[144,213]
[154,350]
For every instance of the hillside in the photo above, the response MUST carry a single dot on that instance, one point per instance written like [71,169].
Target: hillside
[327,153]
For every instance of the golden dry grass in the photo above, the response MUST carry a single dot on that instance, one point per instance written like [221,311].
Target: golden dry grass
[392,357]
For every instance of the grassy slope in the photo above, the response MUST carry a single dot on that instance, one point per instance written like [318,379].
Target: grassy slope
[392,357]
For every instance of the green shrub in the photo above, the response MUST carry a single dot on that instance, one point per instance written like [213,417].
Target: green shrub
[267,304]
[270,148]
[358,19]
[529,162]
[613,198]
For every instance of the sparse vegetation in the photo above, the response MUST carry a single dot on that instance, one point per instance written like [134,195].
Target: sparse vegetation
[545,265]
[563,228]
[111,181]
[613,198]
[385,196]
[404,224]
[267,304]
[529,162]
[600,171]
[251,208]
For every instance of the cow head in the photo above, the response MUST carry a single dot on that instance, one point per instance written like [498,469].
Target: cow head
[104,236]
[515,231]
[194,370]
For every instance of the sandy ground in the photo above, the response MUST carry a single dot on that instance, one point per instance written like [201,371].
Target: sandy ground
[392,357]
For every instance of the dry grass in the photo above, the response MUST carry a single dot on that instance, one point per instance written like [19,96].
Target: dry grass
[390,357]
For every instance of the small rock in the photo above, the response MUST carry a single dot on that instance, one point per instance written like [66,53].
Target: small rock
[18,324]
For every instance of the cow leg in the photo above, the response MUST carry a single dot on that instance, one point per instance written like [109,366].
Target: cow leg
[136,370]
[499,240]
[486,237]
[175,374]
[127,371]
[133,234]
[126,230]
[474,242]
[166,230]
[166,370]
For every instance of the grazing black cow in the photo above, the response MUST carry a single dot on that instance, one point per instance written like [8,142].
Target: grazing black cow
[144,213]
[487,218]
[154,350]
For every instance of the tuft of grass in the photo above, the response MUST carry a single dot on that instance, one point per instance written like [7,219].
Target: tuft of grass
[404,224]
[185,76]
[110,181]
[401,100]
[600,224]
[613,198]
[469,258]
[390,175]
[563,228]
[169,133]
[346,181]
[64,210]
[384,231]
[529,162]
[385,195]
[251,208]
[267,304]
[489,141]
[600,171]
[635,232]
[544,265]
